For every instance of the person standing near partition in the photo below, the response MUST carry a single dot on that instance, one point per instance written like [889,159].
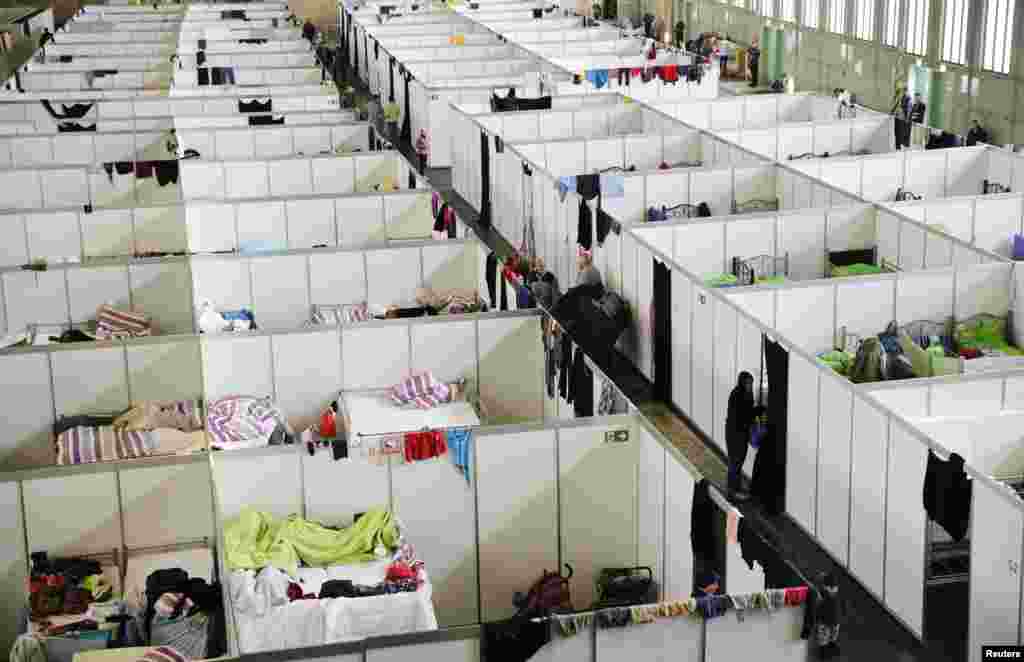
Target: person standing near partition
[738,422]
[423,150]
[754,61]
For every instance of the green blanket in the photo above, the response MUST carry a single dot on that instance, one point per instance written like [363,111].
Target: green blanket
[857,269]
[255,539]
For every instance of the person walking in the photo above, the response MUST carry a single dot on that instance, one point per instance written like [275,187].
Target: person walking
[423,150]
[738,421]
[754,61]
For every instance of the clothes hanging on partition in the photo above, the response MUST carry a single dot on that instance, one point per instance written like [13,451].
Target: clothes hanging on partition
[539,103]
[424,445]
[597,77]
[947,494]
[255,106]
[491,274]
[391,79]
[584,228]
[166,172]
[406,122]
[265,120]
[581,392]
[588,186]
[460,448]
[485,180]
[702,522]
[604,225]
[768,482]
[74,127]
[73,112]
[662,323]
[200,58]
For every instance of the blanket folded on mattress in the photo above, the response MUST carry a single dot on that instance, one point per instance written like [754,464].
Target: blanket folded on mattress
[84,445]
[255,539]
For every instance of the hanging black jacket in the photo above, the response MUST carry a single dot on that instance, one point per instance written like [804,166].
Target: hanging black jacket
[565,369]
[947,494]
[702,522]
[515,640]
[582,386]
[585,228]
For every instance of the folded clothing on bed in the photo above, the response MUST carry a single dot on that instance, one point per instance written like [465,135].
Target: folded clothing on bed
[255,539]
[85,445]
[421,390]
[184,415]
[113,323]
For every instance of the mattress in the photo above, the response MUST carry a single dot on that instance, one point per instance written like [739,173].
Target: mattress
[332,620]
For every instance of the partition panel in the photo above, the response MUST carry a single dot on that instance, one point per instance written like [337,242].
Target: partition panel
[165,371]
[724,364]
[868,453]
[806,316]
[307,374]
[26,407]
[374,356]
[997,220]
[165,505]
[834,431]
[770,636]
[924,296]
[277,472]
[664,640]
[802,443]
[865,307]
[444,537]
[679,562]
[87,524]
[518,513]
[801,237]
[105,391]
[905,528]
[682,350]
[703,339]
[983,289]
[13,562]
[994,584]
[460,650]
[652,465]
[237,365]
[511,368]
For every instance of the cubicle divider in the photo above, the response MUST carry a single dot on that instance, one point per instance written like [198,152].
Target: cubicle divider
[135,48]
[102,59]
[225,94]
[988,222]
[758,111]
[146,113]
[978,417]
[302,222]
[170,139]
[278,288]
[831,138]
[943,173]
[191,179]
[796,244]
[499,353]
[125,78]
[175,35]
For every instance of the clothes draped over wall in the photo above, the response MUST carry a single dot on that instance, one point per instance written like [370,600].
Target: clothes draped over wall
[947,494]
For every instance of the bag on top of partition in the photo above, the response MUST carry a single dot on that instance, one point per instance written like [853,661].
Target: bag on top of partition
[867,364]
[549,593]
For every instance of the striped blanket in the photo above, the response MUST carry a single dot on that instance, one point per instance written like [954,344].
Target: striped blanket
[113,323]
[241,421]
[85,445]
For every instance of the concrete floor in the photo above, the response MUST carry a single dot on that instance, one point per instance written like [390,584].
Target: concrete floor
[870,632]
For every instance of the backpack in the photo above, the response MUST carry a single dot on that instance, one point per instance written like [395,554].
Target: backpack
[549,593]
[867,364]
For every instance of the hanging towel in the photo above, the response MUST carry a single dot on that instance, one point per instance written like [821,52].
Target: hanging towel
[584,228]
[565,184]
[613,186]
[598,77]
[460,443]
[588,186]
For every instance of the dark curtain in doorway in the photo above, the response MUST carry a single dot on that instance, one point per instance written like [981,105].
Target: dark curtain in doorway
[406,122]
[769,479]
[662,332]
[485,180]
[391,80]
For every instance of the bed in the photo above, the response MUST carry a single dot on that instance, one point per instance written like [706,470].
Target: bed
[369,414]
[428,302]
[682,210]
[304,623]
[865,262]
[175,429]
[988,187]
[982,341]
[755,206]
[761,269]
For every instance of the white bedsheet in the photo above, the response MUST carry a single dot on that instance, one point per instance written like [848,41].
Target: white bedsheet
[317,622]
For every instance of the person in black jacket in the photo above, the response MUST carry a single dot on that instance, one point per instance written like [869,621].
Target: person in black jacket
[823,616]
[739,418]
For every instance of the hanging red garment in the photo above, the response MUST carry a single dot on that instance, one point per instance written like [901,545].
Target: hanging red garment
[636,71]
[669,73]
[424,445]
[794,597]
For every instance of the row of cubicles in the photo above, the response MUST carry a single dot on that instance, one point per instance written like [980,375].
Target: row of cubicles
[855,465]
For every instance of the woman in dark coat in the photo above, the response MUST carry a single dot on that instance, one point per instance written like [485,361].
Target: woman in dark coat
[738,421]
